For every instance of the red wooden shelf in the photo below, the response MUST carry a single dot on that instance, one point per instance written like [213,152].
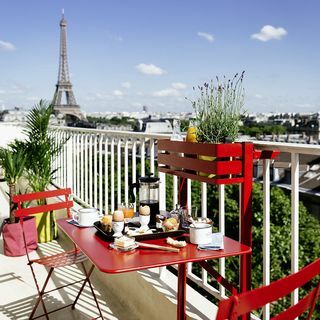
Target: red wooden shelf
[231,163]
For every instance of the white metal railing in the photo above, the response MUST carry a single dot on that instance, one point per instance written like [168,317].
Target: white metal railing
[89,155]
[83,167]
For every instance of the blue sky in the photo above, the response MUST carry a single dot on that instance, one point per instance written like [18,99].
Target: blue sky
[126,54]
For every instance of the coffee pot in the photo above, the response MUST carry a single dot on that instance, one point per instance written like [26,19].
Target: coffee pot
[148,195]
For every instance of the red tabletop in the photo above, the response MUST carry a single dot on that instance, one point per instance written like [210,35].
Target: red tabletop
[111,261]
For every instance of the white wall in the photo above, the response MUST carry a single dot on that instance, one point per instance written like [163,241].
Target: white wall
[9,132]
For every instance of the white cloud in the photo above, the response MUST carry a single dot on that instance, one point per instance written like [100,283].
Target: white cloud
[208,36]
[2,91]
[7,46]
[258,96]
[178,85]
[149,69]
[268,33]
[118,93]
[126,85]
[173,91]
[170,92]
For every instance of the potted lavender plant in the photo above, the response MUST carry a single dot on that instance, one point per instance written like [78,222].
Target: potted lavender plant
[218,109]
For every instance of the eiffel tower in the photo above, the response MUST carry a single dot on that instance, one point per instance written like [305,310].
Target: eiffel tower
[69,109]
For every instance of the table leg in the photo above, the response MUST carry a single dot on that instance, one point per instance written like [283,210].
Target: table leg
[182,287]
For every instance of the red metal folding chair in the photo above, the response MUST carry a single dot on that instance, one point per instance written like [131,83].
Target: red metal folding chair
[59,260]
[242,304]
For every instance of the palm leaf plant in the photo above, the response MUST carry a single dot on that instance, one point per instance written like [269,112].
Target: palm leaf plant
[13,163]
[40,149]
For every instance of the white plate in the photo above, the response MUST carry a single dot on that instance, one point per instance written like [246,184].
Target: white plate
[121,249]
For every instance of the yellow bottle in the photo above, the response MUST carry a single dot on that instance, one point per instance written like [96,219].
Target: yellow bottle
[191,133]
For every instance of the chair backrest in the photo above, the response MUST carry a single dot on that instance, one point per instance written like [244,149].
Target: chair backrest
[242,304]
[27,197]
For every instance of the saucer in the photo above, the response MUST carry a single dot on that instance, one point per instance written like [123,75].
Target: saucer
[76,223]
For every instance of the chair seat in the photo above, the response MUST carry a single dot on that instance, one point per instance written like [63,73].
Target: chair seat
[62,259]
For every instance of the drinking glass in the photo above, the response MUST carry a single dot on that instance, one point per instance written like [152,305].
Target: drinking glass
[185,214]
[128,210]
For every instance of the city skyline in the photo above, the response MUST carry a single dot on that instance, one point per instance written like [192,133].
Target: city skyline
[126,55]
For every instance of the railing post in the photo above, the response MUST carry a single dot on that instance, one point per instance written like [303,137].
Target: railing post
[204,213]
[152,170]
[162,191]
[106,175]
[119,172]
[134,169]
[95,170]
[221,189]
[142,155]
[126,172]
[90,171]
[294,220]
[100,174]
[266,231]
[112,173]
[69,162]
[86,173]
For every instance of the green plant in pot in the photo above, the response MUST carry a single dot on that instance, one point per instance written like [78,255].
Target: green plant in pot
[40,149]
[13,164]
[12,161]
[218,109]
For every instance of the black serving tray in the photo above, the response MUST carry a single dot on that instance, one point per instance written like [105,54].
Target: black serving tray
[155,235]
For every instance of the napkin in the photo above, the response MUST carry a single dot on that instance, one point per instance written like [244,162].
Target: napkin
[215,244]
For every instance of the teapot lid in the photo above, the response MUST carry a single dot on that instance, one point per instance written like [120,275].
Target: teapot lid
[149,179]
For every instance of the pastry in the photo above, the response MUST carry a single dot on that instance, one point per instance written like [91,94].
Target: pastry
[176,243]
[106,223]
[171,224]
[124,242]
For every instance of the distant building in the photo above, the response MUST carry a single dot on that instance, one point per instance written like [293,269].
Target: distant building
[153,126]
[145,109]
[15,115]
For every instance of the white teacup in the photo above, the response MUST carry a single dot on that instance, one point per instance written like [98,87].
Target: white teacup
[117,227]
[144,220]
[86,216]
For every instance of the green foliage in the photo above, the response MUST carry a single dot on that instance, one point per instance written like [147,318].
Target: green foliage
[262,128]
[116,121]
[280,225]
[41,147]
[218,109]
[12,162]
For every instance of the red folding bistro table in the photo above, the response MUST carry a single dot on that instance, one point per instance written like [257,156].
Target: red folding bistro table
[111,261]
